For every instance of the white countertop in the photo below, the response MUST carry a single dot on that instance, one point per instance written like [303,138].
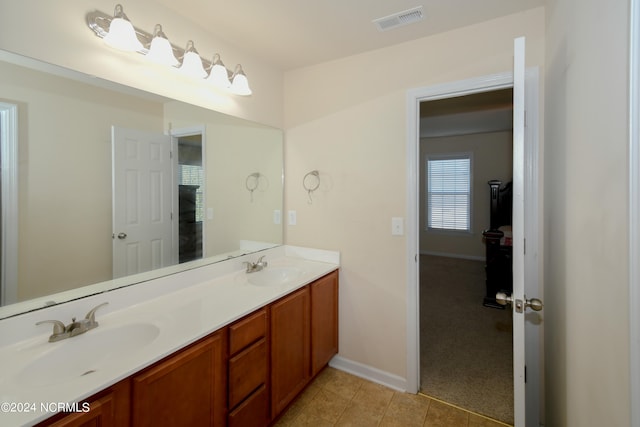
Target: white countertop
[183,308]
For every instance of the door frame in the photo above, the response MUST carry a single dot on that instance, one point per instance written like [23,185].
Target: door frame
[532,204]
[9,212]
[634,209]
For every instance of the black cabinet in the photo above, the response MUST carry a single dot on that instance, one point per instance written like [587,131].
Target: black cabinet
[497,240]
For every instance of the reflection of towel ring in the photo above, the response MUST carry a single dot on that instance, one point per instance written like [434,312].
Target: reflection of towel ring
[252,183]
[311,187]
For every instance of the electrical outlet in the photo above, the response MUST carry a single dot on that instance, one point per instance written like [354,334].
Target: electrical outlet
[293,218]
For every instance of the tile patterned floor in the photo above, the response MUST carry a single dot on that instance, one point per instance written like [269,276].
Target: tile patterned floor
[336,398]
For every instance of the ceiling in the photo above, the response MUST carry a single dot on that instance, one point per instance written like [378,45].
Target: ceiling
[469,114]
[291,34]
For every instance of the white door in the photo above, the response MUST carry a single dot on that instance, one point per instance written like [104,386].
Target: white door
[518,300]
[142,201]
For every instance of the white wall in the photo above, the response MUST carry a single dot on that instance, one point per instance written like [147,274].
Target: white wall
[347,118]
[586,186]
[57,32]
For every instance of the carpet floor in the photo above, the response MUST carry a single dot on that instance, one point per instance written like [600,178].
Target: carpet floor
[466,348]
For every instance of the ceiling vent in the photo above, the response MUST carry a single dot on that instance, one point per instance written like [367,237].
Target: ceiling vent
[399,19]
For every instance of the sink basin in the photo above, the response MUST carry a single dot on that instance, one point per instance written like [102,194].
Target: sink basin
[85,354]
[271,276]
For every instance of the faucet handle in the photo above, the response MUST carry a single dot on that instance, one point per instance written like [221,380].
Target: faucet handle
[58,326]
[91,315]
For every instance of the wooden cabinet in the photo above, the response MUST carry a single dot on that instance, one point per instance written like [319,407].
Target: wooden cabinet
[324,321]
[248,371]
[188,388]
[290,348]
[110,407]
[245,374]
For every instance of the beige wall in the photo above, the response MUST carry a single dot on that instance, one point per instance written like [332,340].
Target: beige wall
[70,43]
[347,118]
[492,159]
[586,176]
[65,176]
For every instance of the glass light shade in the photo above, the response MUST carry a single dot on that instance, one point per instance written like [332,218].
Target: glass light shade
[192,63]
[121,34]
[218,75]
[240,83]
[160,50]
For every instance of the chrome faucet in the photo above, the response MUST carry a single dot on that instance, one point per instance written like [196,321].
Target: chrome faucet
[252,267]
[60,331]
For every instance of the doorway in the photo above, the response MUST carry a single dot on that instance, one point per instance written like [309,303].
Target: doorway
[8,203]
[466,356]
[531,350]
[189,166]
[190,197]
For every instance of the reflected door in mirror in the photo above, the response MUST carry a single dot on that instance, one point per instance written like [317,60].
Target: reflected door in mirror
[142,201]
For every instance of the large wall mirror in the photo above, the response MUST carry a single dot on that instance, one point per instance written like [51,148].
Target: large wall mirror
[225,193]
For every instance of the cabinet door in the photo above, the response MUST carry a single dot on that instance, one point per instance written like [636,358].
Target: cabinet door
[324,321]
[109,408]
[290,348]
[188,389]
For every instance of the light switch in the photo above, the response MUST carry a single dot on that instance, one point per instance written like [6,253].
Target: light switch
[209,213]
[293,218]
[277,217]
[397,226]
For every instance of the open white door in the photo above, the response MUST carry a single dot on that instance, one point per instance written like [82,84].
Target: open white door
[518,231]
[142,201]
[526,222]
[518,300]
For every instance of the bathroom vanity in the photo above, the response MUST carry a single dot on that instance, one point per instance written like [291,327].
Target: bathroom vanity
[215,346]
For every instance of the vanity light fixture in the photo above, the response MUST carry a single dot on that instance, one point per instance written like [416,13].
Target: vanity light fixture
[239,82]
[218,74]
[192,63]
[121,34]
[118,32]
[160,50]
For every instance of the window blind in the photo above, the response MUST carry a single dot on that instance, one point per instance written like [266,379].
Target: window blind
[449,193]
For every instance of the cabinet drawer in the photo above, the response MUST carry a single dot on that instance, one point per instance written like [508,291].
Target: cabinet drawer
[247,371]
[247,331]
[252,412]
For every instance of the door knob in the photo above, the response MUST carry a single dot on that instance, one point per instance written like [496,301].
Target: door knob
[534,303]
[122,236]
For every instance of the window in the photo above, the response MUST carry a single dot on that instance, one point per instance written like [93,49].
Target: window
[449,192]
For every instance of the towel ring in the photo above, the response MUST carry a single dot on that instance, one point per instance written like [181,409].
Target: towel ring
[252,182]
[311,187]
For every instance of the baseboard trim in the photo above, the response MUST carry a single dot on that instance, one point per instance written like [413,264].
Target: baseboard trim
[369,373]
[448,255]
